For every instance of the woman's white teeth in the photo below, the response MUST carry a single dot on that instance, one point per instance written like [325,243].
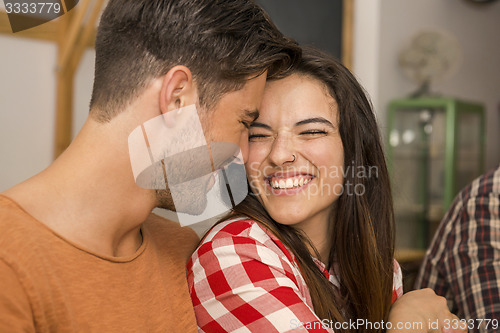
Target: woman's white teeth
[289,183]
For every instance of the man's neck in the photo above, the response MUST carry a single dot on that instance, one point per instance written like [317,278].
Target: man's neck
[88,195]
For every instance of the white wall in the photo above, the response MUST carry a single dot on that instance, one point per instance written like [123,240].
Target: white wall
[27,103]
[382,27]
[366,32]
[26,108]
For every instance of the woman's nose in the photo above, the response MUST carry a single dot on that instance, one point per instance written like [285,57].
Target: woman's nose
[282,151]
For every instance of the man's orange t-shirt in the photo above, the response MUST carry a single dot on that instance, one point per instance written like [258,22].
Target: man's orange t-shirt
[49,284]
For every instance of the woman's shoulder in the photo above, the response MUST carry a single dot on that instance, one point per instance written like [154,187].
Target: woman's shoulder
[244,238]
[241,228]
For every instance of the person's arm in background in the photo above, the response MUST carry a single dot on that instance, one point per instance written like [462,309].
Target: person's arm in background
[418,310]
[463,262]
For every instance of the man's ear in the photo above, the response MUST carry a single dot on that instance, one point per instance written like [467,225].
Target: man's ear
[177,89]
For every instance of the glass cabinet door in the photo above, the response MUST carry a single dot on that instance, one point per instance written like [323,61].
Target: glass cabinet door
[418,144]
[435,148]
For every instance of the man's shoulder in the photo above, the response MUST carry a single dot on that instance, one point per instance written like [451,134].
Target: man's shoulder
[242,239]
[16,225]
[473,197]
[239,227]
[8,208]
[483,186]
[243,231]
[21,236]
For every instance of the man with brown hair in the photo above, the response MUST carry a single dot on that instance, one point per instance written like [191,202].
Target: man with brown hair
[80,250]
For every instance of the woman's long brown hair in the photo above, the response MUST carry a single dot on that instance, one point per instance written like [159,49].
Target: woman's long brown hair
[362,234]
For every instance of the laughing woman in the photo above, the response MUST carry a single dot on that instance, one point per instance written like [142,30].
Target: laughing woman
[313,245]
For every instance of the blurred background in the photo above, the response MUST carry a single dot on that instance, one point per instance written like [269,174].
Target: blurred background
[430,67]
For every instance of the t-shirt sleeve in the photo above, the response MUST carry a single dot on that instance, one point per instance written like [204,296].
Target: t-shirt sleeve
[238,282]
[16,315]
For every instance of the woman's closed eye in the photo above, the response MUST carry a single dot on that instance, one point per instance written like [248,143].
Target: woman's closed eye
[258,137]
[307,134]
[313,132]
[315,127]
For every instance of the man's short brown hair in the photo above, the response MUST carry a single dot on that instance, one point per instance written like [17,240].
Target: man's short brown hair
[222,42]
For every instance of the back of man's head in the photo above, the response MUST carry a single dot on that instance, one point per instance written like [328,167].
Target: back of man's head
[222,42]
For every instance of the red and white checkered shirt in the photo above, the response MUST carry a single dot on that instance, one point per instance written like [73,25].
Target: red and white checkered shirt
[243,279]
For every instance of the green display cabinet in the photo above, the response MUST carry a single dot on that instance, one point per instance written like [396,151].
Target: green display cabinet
[435,148]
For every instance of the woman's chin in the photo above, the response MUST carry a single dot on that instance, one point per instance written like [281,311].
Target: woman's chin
[286,219]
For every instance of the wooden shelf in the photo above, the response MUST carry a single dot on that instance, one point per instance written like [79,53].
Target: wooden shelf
[72,34]
[409,255]
[44,32]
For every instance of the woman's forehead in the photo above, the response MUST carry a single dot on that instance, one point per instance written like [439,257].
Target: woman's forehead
[295,98]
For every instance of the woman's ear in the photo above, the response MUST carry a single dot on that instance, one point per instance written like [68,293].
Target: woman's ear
[177,89]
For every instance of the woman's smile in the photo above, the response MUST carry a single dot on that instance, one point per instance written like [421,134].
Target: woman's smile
[288,183]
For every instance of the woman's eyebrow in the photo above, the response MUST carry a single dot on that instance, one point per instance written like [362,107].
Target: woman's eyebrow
[320,120]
